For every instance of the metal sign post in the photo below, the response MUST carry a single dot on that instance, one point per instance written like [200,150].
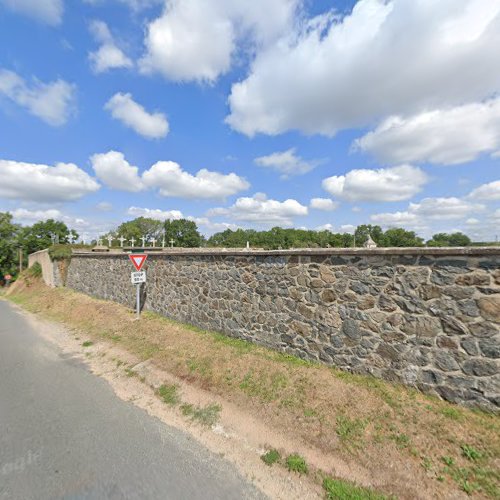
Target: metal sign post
[138,277]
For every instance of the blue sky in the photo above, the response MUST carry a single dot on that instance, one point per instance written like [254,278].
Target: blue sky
[323,114]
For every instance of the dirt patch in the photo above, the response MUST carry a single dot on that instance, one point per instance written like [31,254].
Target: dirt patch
[379,435]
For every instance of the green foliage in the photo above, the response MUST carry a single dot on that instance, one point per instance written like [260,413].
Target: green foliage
[44,234]
[184,233]
[137,228]
[35,271]
[470,453]
[169,394]
[337,489]
[9,234]
[296,463]
[449,240]
[271,457]
[60,252]
[398,237]
[87,343]
[350,429]
[206,415]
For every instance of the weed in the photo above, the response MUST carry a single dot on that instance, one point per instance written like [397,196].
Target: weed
[470,453]
[296,463]
[130,373]
[35,271]
[449,461]
[169,394]
[208,415]
[337,489]
[87,343]
[310,412]
[401,440]
[427,464]
[350,429]
[271,457]
[452,413]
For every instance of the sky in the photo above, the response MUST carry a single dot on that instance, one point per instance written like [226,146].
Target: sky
[292,113]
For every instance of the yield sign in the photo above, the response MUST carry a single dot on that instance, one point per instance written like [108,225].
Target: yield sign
[138,259]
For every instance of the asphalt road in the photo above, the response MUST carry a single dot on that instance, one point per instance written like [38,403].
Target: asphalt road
[65,434]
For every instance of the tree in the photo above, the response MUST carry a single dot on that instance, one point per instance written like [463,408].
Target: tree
[449,240]
[140,227]
[184,233]
[8,245]
[362,232]
[399,237]
[43,234]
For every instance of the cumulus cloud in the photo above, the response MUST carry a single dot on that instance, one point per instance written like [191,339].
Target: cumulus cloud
[446,136]
[196,39]
[47,11]
[171,180]
[155,213]
[325,204]
[486,192]
[360,74]
[108,55]
[135,5]
[259,209]
[116,172]
[104,206]
[133,115]
[51,102]
[43,183]
[25,216]
[429,212]
[384,184]
[287,162]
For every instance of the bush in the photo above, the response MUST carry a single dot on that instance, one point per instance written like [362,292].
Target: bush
[35,271]
[271,457]
[60,252]
[296,463]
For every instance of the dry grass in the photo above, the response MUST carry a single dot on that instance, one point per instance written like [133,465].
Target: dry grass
[355,417]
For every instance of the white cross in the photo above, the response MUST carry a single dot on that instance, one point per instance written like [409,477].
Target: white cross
[121,240]
[172,243]
[99,241]
[143,241]
[163,242]
[132,240]
[110,240]
[153,241]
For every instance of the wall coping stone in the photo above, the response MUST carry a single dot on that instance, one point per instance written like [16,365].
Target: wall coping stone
[414,251]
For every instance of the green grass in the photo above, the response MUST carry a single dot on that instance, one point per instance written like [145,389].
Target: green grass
[207,415]
[169,394]
[470,453]
[35,271]
[337,489]
[350,429]
[451,413]
[87,343]
[271,457]
[296,463]
[266,386]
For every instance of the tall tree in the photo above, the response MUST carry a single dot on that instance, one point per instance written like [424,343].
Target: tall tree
[183,232]
[449,240]
[8,245]
[43,234]
[141,227]
[399,237]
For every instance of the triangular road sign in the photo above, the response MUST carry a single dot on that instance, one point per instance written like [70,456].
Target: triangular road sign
[138,259]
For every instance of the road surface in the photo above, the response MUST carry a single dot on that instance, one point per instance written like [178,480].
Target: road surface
[65,434]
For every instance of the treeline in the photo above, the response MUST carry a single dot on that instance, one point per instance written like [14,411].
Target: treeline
[185,233]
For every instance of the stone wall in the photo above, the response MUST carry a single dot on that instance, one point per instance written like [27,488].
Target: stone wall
[425,317]
[48,268]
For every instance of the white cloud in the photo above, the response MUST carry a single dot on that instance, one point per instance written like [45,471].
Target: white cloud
[104,206]
[445,136]
[46,11]
[325,227]
[429,212]
[324,204]
[386,57]
[171,180]
[197,39]
[116,172]
[486,192]
[287,163]
[156,214]
[135,5]
[348,228]
[108,55]
[42,183]
[134,116]
[25,216]
[259,209]
[51,102]
[384,184]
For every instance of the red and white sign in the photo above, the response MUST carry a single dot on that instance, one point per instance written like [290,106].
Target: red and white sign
[138,260]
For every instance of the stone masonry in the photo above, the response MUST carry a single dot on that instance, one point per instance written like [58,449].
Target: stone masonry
[428,318]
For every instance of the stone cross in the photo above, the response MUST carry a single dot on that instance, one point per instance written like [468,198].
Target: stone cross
[121,239]
[110,240]
[248,245]
[163,242]
[172,243]
[99,241]
[143,241]
[153,241]
[132,241]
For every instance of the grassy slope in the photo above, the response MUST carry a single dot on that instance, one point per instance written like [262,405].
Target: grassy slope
[358,418]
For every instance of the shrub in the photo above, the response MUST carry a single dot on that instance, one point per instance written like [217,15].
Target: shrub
[271,457]
[35,271]
[296,463]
